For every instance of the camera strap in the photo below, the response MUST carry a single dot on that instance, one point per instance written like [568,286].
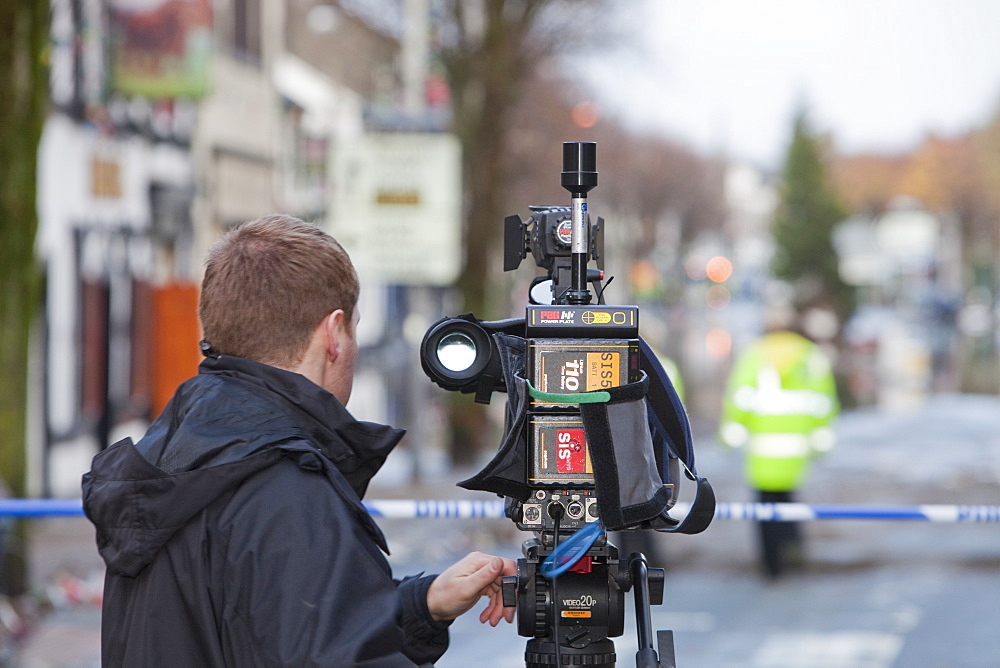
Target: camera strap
[671,434]
[625,477]
[630,489]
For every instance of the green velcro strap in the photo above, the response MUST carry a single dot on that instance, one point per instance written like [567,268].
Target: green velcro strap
[580,398]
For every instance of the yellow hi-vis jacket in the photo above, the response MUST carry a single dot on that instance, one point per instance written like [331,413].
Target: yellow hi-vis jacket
[780,404]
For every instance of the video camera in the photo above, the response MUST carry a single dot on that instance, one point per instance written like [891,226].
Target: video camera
[594,434]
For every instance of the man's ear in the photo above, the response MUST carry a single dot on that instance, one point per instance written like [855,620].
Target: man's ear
[335,327]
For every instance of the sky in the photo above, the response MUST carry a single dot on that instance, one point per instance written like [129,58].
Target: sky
[727,75]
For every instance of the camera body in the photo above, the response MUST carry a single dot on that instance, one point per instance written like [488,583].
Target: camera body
[570,350]
[566,350]
[566,364]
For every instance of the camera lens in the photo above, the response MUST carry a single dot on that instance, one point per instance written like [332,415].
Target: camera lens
[456,351]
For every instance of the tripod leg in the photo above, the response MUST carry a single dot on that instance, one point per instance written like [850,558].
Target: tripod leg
[646,656]
[665,642]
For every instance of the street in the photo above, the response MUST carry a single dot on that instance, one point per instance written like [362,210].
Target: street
[878,594]
[872,593]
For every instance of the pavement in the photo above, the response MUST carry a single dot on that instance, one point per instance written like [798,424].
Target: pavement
[948,452]
[60,619]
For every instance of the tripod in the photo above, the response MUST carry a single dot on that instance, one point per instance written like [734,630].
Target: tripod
[571,618]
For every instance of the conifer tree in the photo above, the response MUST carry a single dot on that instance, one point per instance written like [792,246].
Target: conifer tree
[803,224]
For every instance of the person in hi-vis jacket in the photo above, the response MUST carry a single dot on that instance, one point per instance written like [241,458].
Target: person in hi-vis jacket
[779,406]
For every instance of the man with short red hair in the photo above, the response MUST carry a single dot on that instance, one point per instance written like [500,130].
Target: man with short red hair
[233,531]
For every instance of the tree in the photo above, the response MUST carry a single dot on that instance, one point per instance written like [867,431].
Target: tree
[489,51]
[23,80]
[869,181]
[644,176]
[651,176]
[808,210]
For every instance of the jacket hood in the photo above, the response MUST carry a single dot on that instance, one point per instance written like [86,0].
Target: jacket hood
[235,418]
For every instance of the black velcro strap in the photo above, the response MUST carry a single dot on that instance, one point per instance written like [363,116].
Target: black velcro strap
[702,510]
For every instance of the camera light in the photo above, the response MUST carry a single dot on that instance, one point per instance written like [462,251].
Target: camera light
[456,351]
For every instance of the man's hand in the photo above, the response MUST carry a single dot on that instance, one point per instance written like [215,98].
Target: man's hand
[457,589]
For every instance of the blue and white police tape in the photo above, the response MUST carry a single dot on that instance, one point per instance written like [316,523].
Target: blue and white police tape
[494,509]
[802,512]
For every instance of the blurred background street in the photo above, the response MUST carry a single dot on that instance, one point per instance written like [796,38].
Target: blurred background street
[839,162]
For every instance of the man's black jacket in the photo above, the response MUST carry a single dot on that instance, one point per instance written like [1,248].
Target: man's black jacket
[234,533]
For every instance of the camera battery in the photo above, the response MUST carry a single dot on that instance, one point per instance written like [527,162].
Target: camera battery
[560,453]
[570,366]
